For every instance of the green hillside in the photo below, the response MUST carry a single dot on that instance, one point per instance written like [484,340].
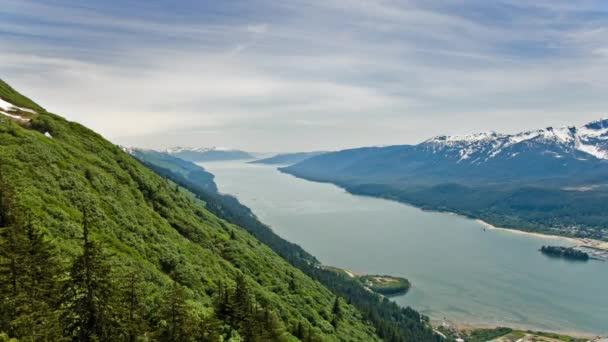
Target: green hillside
[97,247]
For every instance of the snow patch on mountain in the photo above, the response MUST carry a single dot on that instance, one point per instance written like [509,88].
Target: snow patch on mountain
[593,150]
[591,139]
[9,107]
[13,112]
[179,149]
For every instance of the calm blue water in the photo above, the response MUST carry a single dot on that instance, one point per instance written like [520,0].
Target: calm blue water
[458,270]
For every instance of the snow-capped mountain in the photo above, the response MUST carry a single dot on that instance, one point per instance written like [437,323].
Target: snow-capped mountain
[590,139]
[179,149]
[199,154]
[569,155]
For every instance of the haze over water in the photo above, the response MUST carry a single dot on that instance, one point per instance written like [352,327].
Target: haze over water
[458,270]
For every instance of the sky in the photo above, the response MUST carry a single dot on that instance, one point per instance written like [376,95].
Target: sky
[267,75]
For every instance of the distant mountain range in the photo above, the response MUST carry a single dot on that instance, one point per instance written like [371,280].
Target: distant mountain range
[552,180]
[566,155]
[202,154]
[287,158]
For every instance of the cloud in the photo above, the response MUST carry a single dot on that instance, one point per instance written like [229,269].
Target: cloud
[271,75]
[257,29]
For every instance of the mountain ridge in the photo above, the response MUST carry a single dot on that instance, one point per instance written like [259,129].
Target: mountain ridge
[202,154]
[569,156]
[287,158]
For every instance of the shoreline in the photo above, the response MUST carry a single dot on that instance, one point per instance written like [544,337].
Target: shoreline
[599,244]
[468,326]
[577,241]
[534,234]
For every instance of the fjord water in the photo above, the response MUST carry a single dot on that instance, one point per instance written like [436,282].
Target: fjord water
[459,271]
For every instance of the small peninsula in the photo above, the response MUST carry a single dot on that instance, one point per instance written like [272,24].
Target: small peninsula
[385,285]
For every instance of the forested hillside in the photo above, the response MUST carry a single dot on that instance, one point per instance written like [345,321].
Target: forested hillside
[97,247]
[392,323]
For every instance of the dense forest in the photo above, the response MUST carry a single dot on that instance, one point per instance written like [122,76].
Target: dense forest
[392,323]
[536,209]
[566,212]
[97,247]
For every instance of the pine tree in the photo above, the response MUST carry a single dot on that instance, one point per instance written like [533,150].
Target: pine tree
[177,323]
[28,262]
[134,323]
[89,309]
[33,290]
[248,327]
[242,300]
[299,331]
[224,307]
[293,286]
[337,312]
[9,257]
[273,329]
[337,309]
[209,329]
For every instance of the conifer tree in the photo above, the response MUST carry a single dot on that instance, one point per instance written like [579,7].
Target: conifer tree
[89,311]
[337,309]
[242,300]
[134,322]
[337,312]
[210,329]
[177,323]
[224,307]
[299,331]
[30,263]
[273,329]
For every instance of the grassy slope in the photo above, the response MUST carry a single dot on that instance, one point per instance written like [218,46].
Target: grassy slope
[146,223]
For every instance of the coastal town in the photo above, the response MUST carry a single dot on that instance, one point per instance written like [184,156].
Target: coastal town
[595,249]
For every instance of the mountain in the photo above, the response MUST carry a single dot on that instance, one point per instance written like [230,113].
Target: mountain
[287,158]
[163,160]
[550,180]
[563,155]
[96,246]
[203,154]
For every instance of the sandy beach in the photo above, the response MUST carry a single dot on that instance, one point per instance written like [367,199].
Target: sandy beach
[576,241]
[469,326]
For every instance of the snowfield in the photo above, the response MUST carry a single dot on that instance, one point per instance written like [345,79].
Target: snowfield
[12,111]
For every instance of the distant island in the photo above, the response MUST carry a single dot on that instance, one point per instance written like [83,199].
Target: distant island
[564,252]
[385,285]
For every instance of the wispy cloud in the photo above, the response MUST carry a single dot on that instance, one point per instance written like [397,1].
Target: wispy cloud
[295,75]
